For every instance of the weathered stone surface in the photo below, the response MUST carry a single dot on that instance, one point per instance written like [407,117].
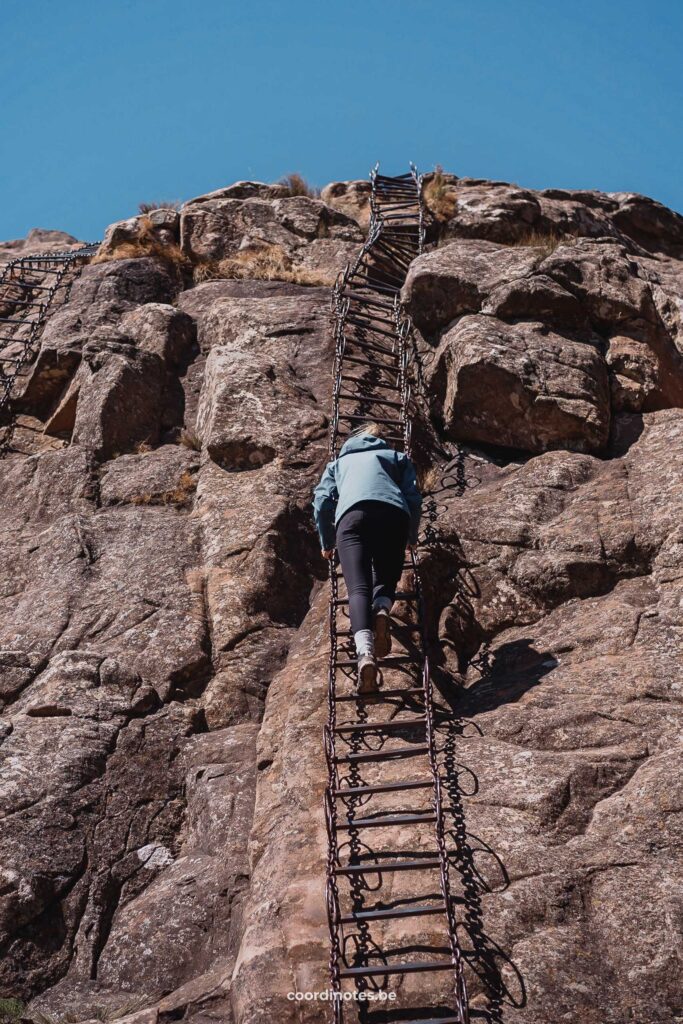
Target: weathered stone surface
[503,212]
[38,240]
[163,624]
[243,190]
[163,476]
[116,402]
[351,197]
[217,228]
[99,297]
[279,411]
[161,226]
[456,278]
[161,329]
[586,291]
[520,385]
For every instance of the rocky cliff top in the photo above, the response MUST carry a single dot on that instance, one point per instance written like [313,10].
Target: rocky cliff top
[163,640]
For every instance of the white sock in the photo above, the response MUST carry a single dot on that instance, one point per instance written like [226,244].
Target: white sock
[365,642]
[382,602]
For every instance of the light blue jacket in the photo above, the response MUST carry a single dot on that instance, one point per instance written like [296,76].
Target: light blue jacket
[367,469]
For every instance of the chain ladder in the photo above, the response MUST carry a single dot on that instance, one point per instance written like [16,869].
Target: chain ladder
[371,331]
[28,311]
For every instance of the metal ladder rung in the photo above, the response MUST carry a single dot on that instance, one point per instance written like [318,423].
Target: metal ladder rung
[366,325]
[409,967]
[389,914]
[365,282]
[360,416]
[383,787]
[385,318]
[342,396]
[29,287]
[345,379]
[394,723]
[21,302]
[382,267]
[369,345]
[35,269]
[427,864]
[401,595]
[368,301]
[388,821]
[373,363]
[402,659]
[408,176]
[382,755]
[381,695]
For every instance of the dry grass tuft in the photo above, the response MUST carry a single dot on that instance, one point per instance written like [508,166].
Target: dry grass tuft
[180,495]
[267,264]
[147,244]
[11,1010]
[172,204]
[298,186]
[440,196]
[547,241]
[190,439]
[428,478]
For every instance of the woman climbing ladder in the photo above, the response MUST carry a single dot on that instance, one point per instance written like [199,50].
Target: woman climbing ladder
[367,504]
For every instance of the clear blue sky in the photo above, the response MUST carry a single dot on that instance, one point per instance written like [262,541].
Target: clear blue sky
[106,103]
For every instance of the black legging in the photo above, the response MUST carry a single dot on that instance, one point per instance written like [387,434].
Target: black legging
[371,541]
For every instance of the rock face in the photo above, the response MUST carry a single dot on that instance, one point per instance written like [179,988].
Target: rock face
[163,616]
[38,240]
[539,346]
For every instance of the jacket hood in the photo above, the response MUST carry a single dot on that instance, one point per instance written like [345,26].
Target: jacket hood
[362,443]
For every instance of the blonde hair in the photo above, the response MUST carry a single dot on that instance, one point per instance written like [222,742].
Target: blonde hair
[367,428]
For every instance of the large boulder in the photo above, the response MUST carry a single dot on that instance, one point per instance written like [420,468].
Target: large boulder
[251,409]
[457,278]
[520,385]
[351,198]
[160,227]
[217,228]
[504,212]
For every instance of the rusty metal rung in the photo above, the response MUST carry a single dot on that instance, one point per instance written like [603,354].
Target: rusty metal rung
[384,787]
[405,595]
[391,913]
[381,695]
[367,300]
[409,967]
[399,659]
[388,821]
[394,723]
[383,755]
[369,399]
[426,864]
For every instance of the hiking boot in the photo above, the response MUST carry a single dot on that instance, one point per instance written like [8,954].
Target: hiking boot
[367,674]
[382,632]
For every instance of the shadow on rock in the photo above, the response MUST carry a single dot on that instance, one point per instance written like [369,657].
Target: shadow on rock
[506,674]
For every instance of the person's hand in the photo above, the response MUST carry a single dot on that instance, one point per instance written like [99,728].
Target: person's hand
[328,553]
[411,547]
